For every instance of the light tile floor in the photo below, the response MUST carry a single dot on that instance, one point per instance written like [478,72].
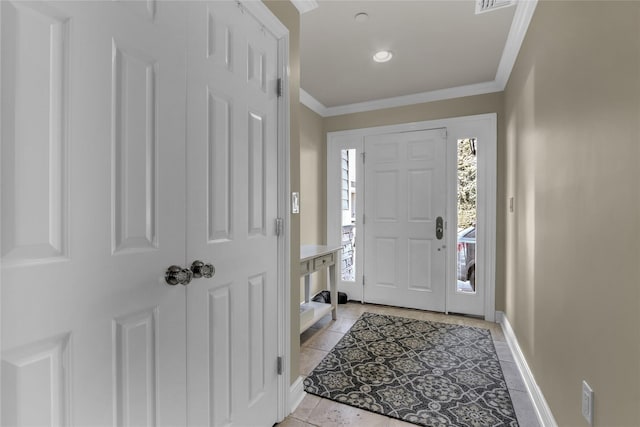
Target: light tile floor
[317,341]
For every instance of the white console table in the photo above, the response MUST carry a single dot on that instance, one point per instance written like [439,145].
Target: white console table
[312,259]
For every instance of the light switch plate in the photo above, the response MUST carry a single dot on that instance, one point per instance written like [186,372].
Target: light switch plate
[587,402]
[295,202]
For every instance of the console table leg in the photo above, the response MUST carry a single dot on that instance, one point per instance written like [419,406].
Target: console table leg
[307,287]
[333,289]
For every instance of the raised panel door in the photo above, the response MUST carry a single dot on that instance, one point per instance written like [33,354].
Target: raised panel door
[93,178]
[94,127]
[405,192]
[232,181]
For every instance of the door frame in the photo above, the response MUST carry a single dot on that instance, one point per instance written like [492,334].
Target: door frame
[483,126]
[279,30]
[1,209]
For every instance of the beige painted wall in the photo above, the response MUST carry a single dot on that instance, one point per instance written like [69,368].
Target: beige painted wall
[313,184]
[308,152]
[287,13]
[572,109]
[568,258]
[467,106]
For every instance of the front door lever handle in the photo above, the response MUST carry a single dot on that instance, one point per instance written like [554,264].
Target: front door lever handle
[439,228]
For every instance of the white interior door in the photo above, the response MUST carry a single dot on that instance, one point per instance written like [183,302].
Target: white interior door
[93,212]
[232,182]
[405,194]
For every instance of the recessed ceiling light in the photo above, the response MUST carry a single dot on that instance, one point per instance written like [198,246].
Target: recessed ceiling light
[361,17]
[382,56]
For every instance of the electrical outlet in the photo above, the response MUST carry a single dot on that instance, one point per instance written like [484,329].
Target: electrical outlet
[587,403]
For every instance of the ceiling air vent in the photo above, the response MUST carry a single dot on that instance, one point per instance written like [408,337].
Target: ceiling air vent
[483,6]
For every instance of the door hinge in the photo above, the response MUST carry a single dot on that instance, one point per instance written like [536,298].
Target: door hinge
[279,226]
[363,280]
[279,368]
[363,216]
[279,87]
[363,154]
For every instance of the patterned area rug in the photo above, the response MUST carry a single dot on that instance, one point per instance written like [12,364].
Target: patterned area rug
[426,373]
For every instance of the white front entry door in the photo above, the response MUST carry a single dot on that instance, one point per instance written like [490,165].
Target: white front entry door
[126,148]
[93,213]
[405,194]
[232,181]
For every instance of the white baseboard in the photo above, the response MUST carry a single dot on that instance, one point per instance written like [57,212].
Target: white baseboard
[545,417]
[296,393]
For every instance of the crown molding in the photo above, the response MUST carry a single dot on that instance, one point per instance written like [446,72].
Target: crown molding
[312,103]
[305,6]
[519,26]
[416,98]
[398,101]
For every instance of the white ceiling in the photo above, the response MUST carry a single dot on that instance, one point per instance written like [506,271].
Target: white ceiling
[441,49]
